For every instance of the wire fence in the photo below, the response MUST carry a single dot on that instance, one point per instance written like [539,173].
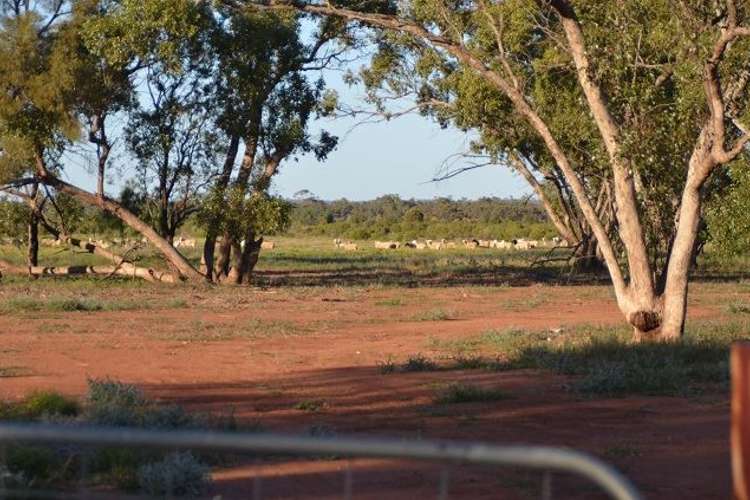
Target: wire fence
[447,454]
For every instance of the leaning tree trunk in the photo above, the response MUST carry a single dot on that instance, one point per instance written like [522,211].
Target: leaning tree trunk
[175,258]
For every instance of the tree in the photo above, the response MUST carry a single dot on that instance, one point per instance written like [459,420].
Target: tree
[667,110]
[175,146]
[267,103]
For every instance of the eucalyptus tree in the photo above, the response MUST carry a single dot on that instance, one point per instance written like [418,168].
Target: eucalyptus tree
[661,83]
[267,102]
[176,147]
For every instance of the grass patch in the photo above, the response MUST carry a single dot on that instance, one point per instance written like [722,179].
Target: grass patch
[311,405]
[739,308]
[433,315]
[606,363]
[464,393]
[390,302]
[72,304]
[204,331]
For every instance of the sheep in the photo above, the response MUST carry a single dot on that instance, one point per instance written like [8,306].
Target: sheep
[337,242]
[451,244]
[435,245]
[350,247]
[523,244]
[387,245]
[183,242]
[470,244]
[268,245]
[484,243]
[502,245]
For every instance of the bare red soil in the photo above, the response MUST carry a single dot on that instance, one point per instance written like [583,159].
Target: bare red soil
[325,345]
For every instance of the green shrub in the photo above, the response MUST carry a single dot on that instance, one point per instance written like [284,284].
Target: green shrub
[35,463]
[47,403]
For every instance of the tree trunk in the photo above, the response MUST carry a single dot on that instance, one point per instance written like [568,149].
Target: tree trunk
[32,256]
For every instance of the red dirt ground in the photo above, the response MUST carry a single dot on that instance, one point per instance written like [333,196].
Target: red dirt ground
[327,347]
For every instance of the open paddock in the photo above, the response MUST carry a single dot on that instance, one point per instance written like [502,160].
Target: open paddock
[451,344]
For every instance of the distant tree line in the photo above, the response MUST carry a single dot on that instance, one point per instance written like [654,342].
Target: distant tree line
[393,218]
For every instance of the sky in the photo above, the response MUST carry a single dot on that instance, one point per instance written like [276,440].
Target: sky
[399,157]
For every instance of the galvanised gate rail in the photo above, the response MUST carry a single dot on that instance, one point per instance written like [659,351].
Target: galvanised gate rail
[535,457]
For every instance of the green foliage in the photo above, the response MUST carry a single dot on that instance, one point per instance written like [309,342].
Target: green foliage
[727,217]
[391,218]
[13,219]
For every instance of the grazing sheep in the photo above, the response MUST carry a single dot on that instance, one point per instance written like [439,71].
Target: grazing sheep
[470,244]
[387,245]
[435,245]
[410,244]
[350,247]
[337,242]
[268,245]
[523,244]
[183,242]
[484,243]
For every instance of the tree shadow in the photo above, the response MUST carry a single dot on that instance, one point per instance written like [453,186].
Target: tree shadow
[664,444]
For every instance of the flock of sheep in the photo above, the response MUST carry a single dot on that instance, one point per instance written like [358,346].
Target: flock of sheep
[183,242]
[516,244]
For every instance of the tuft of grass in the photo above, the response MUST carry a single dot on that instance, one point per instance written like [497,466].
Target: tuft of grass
[419,363]
[390,302]
[739,308]
[464,393]
[311,405]
[387,366]
[433,315]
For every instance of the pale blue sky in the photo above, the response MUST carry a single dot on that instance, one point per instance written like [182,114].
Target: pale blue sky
[395,157]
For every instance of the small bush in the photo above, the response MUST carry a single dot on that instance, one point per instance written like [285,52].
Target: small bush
[419,363]
[177,474]
[463,393]
[48,403]
[113,403]
[36,463]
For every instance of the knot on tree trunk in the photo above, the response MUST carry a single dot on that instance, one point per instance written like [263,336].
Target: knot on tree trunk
[645,321]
